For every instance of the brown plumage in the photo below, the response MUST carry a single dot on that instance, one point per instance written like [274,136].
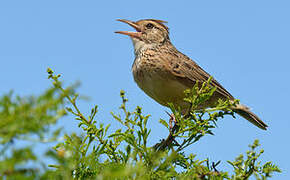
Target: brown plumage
[163,72]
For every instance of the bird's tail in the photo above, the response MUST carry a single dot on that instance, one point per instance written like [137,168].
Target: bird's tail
[245,112]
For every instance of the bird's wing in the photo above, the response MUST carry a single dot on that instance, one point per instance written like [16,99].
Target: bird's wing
[187,70]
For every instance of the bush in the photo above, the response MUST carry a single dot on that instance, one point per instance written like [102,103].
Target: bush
[123,154]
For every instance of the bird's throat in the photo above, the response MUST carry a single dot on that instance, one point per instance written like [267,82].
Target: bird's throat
[140,46]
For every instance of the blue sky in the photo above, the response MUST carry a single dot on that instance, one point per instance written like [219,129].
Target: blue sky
[244,45]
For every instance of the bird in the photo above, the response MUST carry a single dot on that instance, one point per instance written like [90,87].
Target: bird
[164,73]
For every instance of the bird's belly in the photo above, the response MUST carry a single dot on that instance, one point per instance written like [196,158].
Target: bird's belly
[161,89]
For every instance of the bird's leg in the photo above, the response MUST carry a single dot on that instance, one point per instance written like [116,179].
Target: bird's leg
[170,140]
[172,119]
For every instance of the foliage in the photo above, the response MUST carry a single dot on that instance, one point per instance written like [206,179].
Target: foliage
[105,153]
[23,120]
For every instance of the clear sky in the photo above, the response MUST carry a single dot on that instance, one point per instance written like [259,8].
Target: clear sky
[245,45]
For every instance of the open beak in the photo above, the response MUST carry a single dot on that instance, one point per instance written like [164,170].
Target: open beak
[129,33]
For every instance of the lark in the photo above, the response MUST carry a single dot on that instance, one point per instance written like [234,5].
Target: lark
[164,73]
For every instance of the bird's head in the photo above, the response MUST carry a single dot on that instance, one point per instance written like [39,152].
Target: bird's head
[148,31]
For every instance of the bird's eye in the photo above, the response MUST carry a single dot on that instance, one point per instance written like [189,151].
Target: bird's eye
[149,25]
